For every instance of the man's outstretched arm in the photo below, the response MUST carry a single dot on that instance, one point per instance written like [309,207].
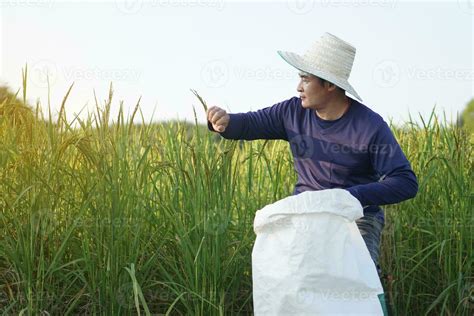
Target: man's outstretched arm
[267,123]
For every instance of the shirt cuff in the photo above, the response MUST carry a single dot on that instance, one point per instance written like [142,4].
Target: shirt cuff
[209,127]
[353,191]
[234,128]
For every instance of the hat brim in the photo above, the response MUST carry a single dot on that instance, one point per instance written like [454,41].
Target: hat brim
[300,63]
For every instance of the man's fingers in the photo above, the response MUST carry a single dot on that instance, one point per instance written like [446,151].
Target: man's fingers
[220,122]
[217,115]
[211,112]
[218,118]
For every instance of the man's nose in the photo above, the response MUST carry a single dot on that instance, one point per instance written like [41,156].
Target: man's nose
[299,87]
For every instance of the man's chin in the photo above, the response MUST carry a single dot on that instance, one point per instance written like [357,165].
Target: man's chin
[305,104]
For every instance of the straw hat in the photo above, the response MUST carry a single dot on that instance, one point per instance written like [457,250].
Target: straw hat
[329,58]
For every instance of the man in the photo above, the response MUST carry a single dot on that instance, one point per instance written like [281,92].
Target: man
[336,141]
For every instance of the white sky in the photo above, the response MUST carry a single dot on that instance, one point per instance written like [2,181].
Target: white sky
[410,56]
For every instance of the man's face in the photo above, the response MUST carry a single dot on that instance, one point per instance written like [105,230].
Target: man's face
[313,93]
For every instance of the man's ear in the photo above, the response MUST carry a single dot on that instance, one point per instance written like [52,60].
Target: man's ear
[330,86]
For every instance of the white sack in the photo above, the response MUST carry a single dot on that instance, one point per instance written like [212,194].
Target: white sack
[309,258]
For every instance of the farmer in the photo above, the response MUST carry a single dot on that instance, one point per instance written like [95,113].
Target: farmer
[336,141]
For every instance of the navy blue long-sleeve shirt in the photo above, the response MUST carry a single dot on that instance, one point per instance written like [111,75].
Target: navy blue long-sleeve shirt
[357,152]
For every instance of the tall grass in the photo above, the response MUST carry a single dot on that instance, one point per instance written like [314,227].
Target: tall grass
[428,242]
[103,216]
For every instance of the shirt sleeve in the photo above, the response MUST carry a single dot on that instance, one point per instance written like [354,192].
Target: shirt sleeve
[266,123]
[397,181]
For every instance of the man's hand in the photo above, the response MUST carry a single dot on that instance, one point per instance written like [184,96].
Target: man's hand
[218,118]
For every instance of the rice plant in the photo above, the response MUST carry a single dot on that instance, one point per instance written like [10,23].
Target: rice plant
[105,216]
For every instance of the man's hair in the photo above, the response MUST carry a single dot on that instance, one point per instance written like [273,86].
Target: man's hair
[321,80]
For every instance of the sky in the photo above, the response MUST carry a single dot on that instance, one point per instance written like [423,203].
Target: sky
[411,56]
